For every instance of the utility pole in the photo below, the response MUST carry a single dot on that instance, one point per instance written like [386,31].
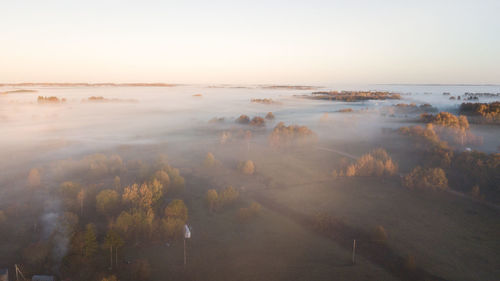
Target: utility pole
[353,251]
[184,252]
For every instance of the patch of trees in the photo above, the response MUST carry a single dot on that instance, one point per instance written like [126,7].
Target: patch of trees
[81,244]
[377,163]
[353,96]
[258,122]
[50,100]
[426,179]
[263,101]
[103,99]
[477,173]
[449,127]
[411,108]
[283,135]
[345,110]
[239,134]
[447,120]
[219,200]
[249,213]
[482,112]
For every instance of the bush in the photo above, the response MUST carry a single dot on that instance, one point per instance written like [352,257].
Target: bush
[426,179]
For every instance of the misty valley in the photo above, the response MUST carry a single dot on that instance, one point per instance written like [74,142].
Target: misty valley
[249,182]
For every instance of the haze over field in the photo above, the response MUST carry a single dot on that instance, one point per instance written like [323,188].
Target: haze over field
[262,140]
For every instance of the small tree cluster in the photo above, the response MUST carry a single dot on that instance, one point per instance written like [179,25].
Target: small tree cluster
[216,201]
[426,179]
[376,163]
[283,135]
[246,214]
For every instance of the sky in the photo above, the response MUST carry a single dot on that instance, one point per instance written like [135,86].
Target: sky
[248,42]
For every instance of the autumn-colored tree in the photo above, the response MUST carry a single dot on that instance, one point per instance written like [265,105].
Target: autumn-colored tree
[243,119]
[91,245]
[426,179]
[136,224]
[81,197]
[257,121]
[157,190]
[245,214]
[113,241]
[209,160]
[107,201]
[177,181]
[34,178]
[164,179]
[228,196]
[247,167]
[172,228]
[177,209]
[212,199]
[269,116]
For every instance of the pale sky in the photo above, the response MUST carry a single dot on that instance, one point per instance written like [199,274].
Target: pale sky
[293,42]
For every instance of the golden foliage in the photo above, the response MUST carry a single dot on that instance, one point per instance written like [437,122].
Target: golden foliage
[426,179]
[247,167]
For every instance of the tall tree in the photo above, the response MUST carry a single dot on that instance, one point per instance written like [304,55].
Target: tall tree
[90,240]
